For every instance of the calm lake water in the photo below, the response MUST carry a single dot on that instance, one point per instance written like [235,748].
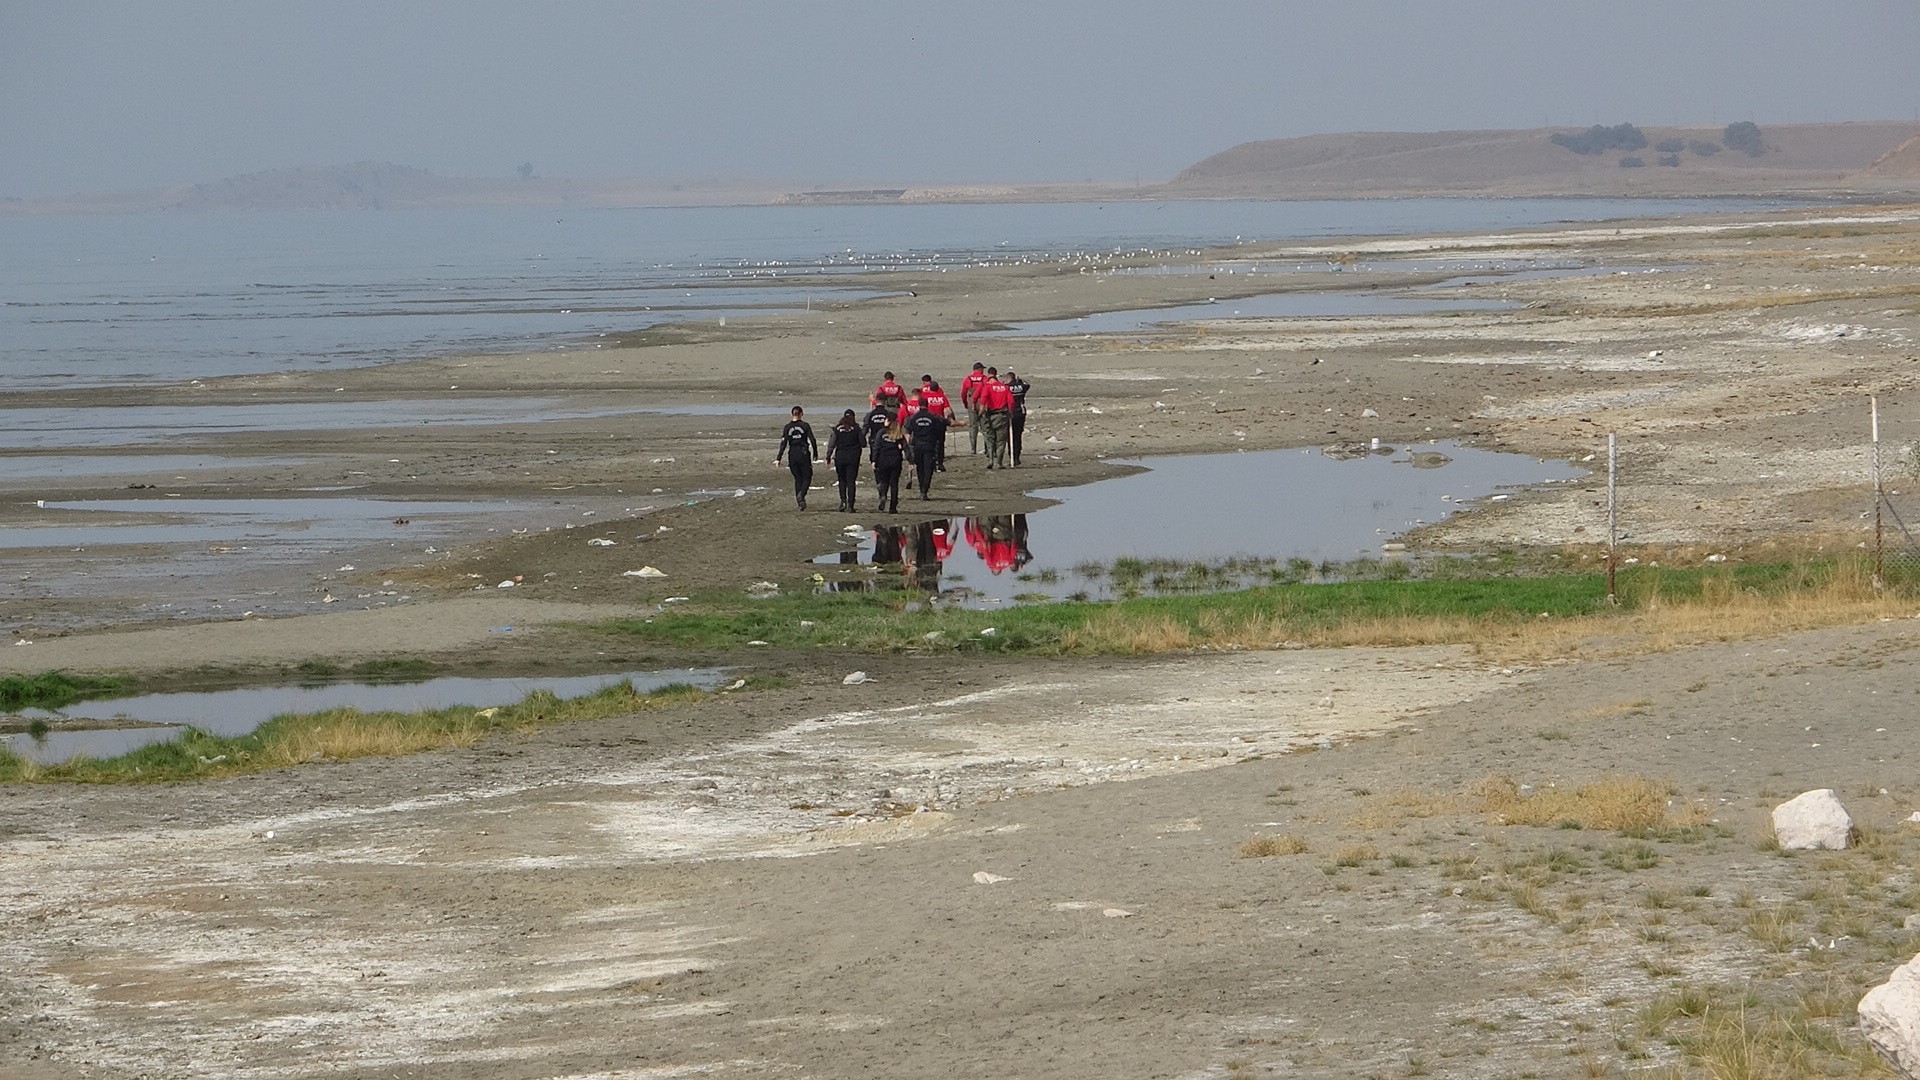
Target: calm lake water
[1206,508]
[237,712]
[142,298]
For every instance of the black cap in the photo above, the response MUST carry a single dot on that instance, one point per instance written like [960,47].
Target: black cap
[977,365]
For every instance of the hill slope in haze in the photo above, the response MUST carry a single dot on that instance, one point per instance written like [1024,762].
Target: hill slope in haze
[1694,161]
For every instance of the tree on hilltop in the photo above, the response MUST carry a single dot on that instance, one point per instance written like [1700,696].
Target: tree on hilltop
[1744,136]
[1599,139]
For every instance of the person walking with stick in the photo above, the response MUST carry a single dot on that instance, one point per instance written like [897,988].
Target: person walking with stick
[970,401]
[996,404]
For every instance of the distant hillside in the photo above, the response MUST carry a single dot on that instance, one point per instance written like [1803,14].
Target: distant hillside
[374,185]
[1901,163]
[1679,161]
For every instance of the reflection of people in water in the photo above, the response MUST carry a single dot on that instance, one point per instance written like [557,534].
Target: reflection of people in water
[921,552]
[886,544]
[993,538]
[1022,554]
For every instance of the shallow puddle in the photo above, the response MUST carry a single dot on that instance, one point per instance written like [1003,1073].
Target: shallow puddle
[237,712]
[122,466]
[135,425]
[1237,516]
[297,523]
[1295,305]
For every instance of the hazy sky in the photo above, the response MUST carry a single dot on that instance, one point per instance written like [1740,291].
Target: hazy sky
[101,96]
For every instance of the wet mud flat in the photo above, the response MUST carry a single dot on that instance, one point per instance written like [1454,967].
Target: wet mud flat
[599,898]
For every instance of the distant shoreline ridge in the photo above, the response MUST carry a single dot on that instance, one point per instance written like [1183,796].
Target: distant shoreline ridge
[1871,159]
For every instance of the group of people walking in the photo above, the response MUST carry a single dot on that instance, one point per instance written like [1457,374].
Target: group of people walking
[902,430]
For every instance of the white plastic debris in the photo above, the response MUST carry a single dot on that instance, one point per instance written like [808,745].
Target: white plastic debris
[645,571]
[854,679]
[599,541]
[1116,913]
[507,584]
[981,877]
[989,632]
[756,641]
[736,684]
[1369,414]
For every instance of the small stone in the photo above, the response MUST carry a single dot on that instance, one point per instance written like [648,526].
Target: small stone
[855,679]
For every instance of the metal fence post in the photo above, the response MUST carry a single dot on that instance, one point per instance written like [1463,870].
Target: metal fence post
[1879,498]
[1613,521]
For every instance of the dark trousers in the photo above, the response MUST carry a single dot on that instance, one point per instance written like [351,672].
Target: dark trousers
[887,479]
[1019,429]
[923,459]
[847,473]
[802,470]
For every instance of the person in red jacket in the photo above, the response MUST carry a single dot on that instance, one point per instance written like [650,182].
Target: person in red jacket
[935,399]
[969,400]
[996,405]
[888,390]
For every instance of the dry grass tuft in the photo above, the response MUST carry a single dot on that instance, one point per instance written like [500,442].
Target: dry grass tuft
[1260,847]
[1612,804]
[1355,854]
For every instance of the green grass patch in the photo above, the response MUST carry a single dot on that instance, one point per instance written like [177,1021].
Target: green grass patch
[340,735]
[52,689]
[889,622]
[1378,611]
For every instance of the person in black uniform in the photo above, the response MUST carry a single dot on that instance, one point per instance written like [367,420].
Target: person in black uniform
[888,457]
[875,424]
[925,429]
[799,447]
[1018,387]
[844,444]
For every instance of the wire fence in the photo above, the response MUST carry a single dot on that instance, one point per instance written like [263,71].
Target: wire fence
[1893,472]
[1896,506]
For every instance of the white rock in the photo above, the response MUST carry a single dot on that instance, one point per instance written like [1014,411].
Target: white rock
[933,635]
[508,584]
[1116,913]
[1814,819]
[981,877]
[646,571]
[854,679]
[1369,414]
[1890,1019]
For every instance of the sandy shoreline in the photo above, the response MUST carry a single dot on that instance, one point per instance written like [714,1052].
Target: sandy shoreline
[784,882]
